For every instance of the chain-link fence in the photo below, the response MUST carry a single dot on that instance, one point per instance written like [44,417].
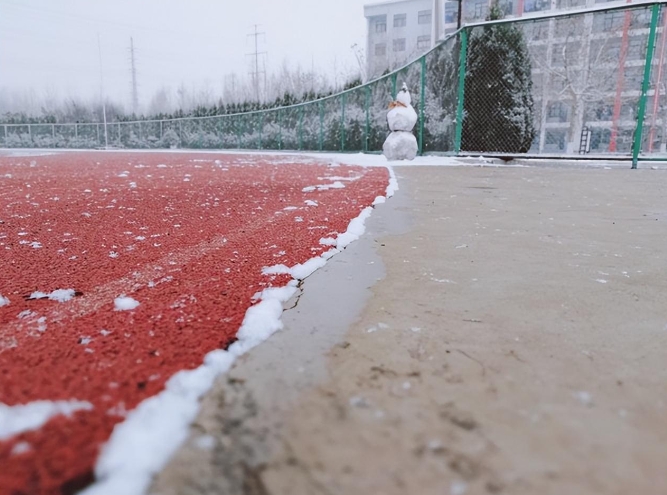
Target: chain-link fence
[590,82]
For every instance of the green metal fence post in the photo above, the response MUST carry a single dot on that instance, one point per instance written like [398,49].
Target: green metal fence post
[462,80]
[301,127]
[637,144]
[237,124]
[280,129]
[367,131]
[394,76]
[422,99]
[321,135]
[261,128]
[342,123]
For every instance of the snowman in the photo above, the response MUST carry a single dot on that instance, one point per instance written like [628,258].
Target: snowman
[401,144]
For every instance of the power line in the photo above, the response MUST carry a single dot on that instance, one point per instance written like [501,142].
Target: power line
[133,70]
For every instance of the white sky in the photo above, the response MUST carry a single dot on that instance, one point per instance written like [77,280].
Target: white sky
[51,45]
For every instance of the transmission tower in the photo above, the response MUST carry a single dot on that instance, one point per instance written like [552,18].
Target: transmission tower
[133,71]
[255,71]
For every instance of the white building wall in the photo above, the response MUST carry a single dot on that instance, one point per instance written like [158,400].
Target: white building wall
[402,43]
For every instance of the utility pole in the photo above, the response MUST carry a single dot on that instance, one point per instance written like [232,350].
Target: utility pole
[133,70]
[255,73]
[104,105]
[458,15]
[435,22]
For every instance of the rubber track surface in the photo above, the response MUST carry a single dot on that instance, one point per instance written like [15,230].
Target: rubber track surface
[186,235]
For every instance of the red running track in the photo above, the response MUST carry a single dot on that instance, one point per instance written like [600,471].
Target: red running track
[186,235]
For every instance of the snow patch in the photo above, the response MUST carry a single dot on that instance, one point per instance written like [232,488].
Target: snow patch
[21,448]
[458,488]
[584,397]
[323,187]
[60,295]
[3,301]
[393,184]
[355,229]
[205,442]
[299,271]
[124,303]
[33,415]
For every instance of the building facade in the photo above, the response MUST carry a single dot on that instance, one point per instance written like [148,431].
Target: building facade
[587,69]
[398,31]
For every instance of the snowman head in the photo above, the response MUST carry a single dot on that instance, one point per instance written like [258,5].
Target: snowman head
[404,88]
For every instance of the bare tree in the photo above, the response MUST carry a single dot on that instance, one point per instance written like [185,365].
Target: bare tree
[578,68]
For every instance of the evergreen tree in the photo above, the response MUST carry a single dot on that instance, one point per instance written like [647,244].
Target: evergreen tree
[498,104]
[440,100]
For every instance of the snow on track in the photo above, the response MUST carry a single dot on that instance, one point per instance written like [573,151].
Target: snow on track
[146,264]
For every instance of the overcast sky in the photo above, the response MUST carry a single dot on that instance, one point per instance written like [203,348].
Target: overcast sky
[51,45]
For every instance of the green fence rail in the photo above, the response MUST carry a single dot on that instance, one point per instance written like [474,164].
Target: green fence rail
[589,82]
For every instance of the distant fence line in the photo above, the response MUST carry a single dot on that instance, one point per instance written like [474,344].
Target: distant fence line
[597,87]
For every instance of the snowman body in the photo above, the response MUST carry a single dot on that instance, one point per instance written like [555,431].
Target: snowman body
[401,144]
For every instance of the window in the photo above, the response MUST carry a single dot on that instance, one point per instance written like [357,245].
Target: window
[558,55]
[554,140]
[557,112]
[400,20]
[380,49]
[507,7]
[632,76]
[424,17]
[568,4]
[480,9]
[423,42]
[451,12]
[399,45]
[536,5]
[600,111]
[600,139]
[537,31]
[379,24]
[640,18]
[538,52]
[629,108]
[604,22]
[637,47]
[569,27]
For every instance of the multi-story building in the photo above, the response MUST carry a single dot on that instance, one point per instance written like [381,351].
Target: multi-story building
[398,31]
[401,30]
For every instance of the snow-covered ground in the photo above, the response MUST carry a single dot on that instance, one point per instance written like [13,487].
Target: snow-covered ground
[142,444]
[373,160]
